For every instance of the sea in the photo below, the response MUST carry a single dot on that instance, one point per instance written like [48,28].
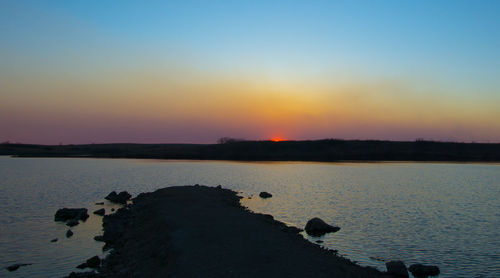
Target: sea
[444,214]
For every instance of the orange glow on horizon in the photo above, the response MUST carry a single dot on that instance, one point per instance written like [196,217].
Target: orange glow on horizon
[277,139]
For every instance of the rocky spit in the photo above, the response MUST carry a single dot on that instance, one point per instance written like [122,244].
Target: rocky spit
[199,231]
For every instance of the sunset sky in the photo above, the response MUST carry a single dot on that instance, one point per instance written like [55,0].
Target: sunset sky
[194,71]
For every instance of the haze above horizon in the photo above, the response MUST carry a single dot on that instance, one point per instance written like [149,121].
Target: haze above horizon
[195,71]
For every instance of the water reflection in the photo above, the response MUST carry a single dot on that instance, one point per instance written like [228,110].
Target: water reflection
[443,214]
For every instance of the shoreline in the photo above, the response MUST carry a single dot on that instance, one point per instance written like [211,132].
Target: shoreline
[272,161]
[328,150]
[192,231]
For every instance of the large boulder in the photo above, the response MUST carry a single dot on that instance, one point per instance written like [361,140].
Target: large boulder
[421,271]
[120,198]
[265,194]
[318,227]
[397,269]
[66,214]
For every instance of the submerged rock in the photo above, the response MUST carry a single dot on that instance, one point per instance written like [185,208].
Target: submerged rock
[69,233]
[15,267]
[66,214]
[100,212]
[318,227]
[120,198]
[265,194]
[397,269]
[420,270]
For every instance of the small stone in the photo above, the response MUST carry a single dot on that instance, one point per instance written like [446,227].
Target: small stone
[82,266]
[120,198]
[69,233]
[420,270]
[100,212]
[397,268]
[15,267]
[265,194]
[93,262]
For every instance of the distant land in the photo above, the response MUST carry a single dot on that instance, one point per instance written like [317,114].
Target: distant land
[317,150]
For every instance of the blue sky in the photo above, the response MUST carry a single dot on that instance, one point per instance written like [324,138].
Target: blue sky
[433,47]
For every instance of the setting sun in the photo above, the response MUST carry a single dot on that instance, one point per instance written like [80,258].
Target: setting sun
[277,139]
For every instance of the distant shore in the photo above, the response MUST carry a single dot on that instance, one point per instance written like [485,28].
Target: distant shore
[328,150]
[199,231]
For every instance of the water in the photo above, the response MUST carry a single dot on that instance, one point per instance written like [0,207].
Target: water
[431,213]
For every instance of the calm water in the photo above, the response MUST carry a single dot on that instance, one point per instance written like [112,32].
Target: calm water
[442,214]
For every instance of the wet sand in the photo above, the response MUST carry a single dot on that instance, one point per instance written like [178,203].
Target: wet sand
[198,231]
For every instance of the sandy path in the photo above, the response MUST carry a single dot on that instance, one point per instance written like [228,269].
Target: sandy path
[198,231]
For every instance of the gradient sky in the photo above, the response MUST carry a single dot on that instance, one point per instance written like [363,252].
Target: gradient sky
[195,71]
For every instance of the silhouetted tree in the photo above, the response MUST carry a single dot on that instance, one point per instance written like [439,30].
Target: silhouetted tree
[227,140]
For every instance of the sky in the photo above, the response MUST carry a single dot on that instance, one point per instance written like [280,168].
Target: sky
[76,72]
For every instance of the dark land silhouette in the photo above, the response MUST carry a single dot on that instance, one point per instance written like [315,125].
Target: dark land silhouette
[318,150]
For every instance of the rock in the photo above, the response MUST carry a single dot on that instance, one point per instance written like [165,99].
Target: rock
[112,209]
[100,212]
[265,194]
[15,267]
[120,198]
[319,241]
[420,270]
[82,266]
[100,203]
[397,269]
[93,262]
[66,214]
[219,186]
[69,233]
[318,227]
[72,222]
[99,238]
[54,240]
